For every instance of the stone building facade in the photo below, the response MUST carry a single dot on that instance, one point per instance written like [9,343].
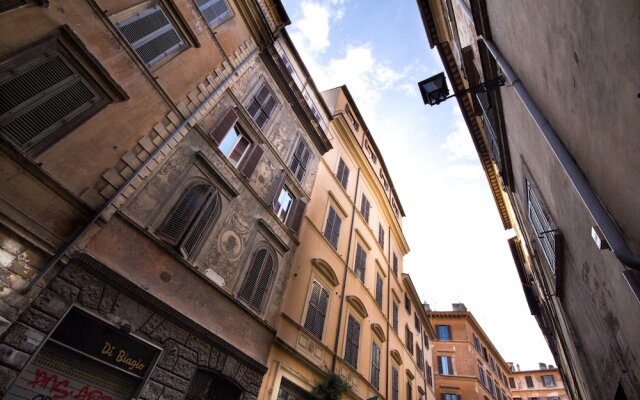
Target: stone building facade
[156,158]
[350,309]
[542,384]
[468,365]
[558,145]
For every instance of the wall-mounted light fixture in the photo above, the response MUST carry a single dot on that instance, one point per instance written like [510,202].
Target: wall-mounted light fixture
[434,90]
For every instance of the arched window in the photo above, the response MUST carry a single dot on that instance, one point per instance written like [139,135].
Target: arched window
[255,286]
[208,385]
[187,222]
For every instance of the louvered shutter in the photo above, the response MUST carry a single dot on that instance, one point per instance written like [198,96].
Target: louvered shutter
[256,281]
[252,275]
[364,208]
[395,316]
[312,309]
[40,95]
[321,313]
[213,11]
[360,263]
[277,186]
[183,214]
[263,283]
[195,233]
[250,161]
[335,231]
[440,365]
[224,126]
[306,155]
[379,289]
[353,338]
[375,365]
[295,214]
[151,34]
[449,365]
[394,383]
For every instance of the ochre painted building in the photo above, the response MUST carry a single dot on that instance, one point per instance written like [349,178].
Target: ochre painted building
[542,384]
[155,162]
[558,143]
[350,309]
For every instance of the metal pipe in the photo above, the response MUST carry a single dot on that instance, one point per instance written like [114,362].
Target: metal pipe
[591,201]
[76,236]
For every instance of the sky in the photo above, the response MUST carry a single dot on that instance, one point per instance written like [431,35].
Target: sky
[459,251]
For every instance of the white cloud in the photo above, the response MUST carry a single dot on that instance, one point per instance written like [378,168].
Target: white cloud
[313,28]
[458,143]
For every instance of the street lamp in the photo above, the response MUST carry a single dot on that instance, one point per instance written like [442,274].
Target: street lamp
[434,90]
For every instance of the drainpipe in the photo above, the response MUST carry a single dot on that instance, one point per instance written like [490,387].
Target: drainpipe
[96,216]
[344,276]
[591,201]
[389,261]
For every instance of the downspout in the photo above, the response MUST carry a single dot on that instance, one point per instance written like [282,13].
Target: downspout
[76,236]
[344,276]
[591,201]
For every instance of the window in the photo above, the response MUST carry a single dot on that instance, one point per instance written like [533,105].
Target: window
[379,288]
[445,365]
[353,339]
[236,145]
[375,365]
[450,396]
[492,390]
[300,160]
[210,385]
[395,316]
[287,391]
[365,207]
[407,304]
[547,236]
[485,354]
[332,227]
[214,11]
[444,332]
[355,124]
[44,94]
[317,310]
[429,375]
[395,264]
[343,173]
[529,381]
[553,398]
[493,364]
[409,391]
[426,339]
[547,381]
[482,377]
[151,35]
[408,339]
[187,222]
[381,235]
[262,105]
[283,204]
[416,322]
[394,383]
[258,279]
[476,344]
[419,357]
[360,264]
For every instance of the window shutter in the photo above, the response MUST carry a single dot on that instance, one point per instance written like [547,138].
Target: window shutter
[251,160]
[379,289]
[195,233]
[440,364]
[257,279]
[353,336]
[183,214]
[323,300]
[39,96]
[360,263]
[278,184]
[224,126]
[449,365]
[150,34]
[295,214]
[213,10]
[312,309]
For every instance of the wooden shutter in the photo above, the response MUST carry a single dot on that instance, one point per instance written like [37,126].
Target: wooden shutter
[40,94]
[449,365]
[206,216]
[360,262]
[276,188]
[343,173]
[257,280]
[316,311]
[440,365]
[151,34]
[183,213]
[353,339]
[381,235]
[300,159]
[378,289]
[296,213]
[364,208]
[250,161]
[375,365]
[213,11]
[224,126]
[395,316]
[394,383]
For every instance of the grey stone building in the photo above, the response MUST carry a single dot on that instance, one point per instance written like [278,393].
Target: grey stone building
[559,145]
[156,158]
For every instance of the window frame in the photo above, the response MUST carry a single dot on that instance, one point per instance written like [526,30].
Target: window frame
[323,288]
[360,262]
[447,329]
[379,289]
[253,97]
[269,282]
[442,365]
[219,19]
[351,317]
[342,173]
[300,159]
[365,207]
[330,238]
[375,368]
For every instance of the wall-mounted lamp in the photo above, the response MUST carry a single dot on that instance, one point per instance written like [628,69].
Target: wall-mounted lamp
[434,90]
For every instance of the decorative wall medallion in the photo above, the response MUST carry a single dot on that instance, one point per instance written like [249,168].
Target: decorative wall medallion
[230,244]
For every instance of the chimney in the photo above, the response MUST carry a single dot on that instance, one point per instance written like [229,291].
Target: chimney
[426,306]
[550,366]
[542,365]
[517,367]
[510,365]
[459,307]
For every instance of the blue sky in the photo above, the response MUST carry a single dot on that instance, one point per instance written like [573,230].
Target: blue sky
[459,250]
